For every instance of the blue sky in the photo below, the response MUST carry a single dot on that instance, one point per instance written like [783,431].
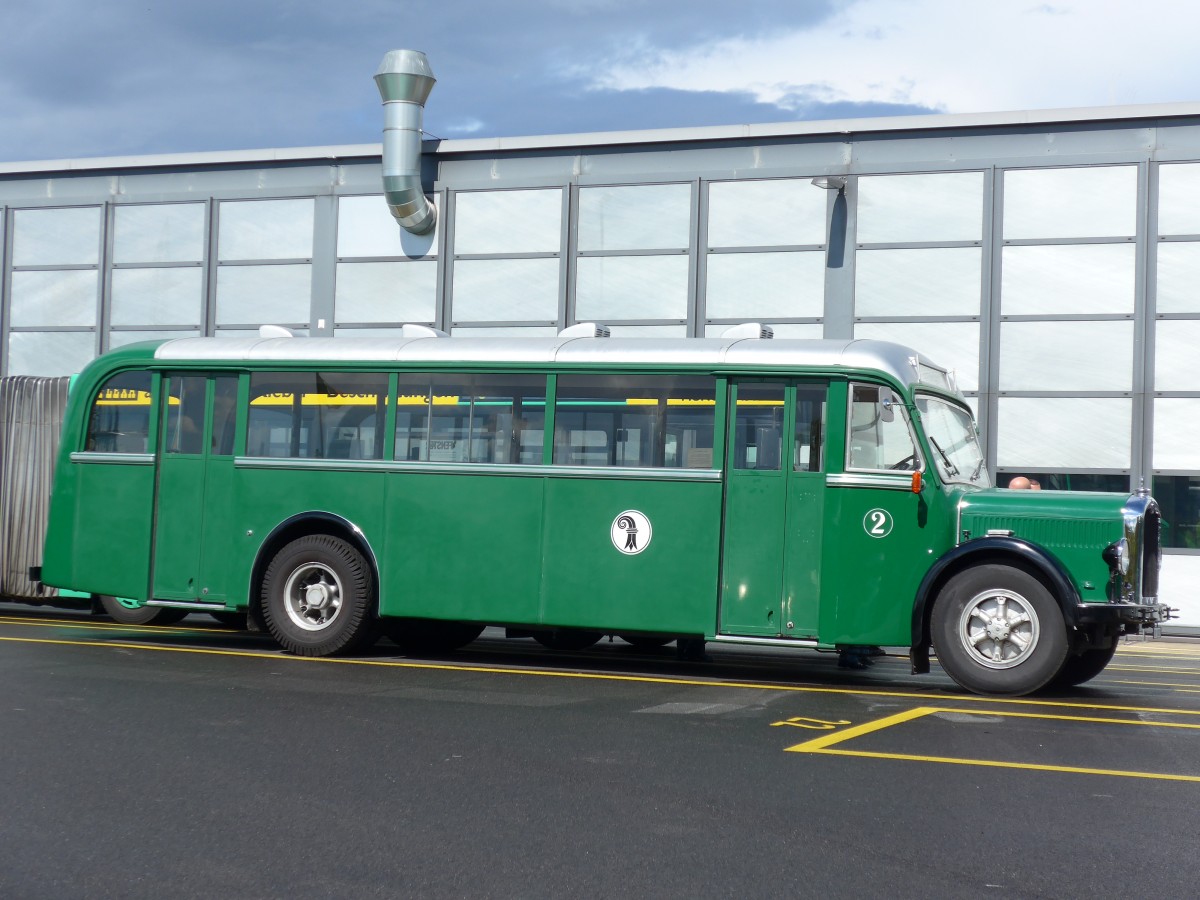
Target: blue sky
[82,79]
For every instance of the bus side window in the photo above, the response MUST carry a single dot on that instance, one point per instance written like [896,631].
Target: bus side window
[810,428]
[879,438]
[120,417]
[224,416]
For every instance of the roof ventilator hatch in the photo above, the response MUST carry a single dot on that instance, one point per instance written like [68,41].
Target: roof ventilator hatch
[274,331]
[586,330]
[749,330]
[409,330]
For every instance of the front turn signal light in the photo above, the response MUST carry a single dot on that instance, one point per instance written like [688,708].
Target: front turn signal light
[916,483]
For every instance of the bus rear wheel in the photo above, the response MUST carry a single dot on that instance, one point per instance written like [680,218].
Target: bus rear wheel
[997,630]
[124,612]
[317,596]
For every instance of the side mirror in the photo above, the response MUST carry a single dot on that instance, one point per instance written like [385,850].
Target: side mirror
[887,403]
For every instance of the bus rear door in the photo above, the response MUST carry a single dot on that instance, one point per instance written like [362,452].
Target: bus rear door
[774,490]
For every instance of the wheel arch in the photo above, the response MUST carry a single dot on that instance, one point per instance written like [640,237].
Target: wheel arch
[298,526]
[1003,550]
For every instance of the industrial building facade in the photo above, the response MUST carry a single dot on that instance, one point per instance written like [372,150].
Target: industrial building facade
[1052,260]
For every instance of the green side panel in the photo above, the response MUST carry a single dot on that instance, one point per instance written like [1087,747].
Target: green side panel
[265,498]
[100,528]
[880,543]
[180,512]
[219,538]
[669,586]
[463,546]
[752,570]
[802,556]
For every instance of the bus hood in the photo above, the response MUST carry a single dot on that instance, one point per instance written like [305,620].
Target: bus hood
[1053,519]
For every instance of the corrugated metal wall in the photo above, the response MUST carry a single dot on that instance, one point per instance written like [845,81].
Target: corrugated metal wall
[31,417]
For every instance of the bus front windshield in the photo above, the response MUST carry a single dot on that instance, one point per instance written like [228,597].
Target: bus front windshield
[953,440]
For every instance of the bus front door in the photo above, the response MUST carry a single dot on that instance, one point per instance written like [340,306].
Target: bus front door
[194,480]
[774,490]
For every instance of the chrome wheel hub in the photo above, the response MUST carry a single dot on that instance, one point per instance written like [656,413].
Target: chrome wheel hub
[313,596]
[998,629]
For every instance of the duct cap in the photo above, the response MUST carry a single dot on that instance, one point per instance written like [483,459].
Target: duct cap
[585,330]
[751,330]
[404,76]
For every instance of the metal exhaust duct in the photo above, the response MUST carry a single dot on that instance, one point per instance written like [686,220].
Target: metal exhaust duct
[405,80]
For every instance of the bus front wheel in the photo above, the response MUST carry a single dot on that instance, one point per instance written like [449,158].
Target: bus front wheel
[997,630]
[317,595]
[1084,666]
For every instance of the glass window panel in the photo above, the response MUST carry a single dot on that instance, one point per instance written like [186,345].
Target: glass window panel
[878,440]
[508,221]
[758,427]
[167,232]
[499,290]
[1175,345]
[120,416]
[506,331]
[641,217]
[54,298]
[785,330]
[1097,201]
[470,418]
[263,295]
[224,415]
[316,415]
[1063,432]
[648,331]
[1179,199]
[1178,497]
[184,432]
[157,296]
[1064,481]
[1177,585]
[366,227]
[660,421]
[49,353]
[1079,278]
[952,345]
[265,229]
[121,338]
[765,213]
[1066,356]
[1178,276]
[942,281]
[901,208]
[56,237]
[810,428]
[765,285]
[386,292]
[631,287]
[1176,433]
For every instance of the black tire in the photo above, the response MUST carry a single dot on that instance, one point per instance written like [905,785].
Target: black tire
[318,596]
[142,615]
[567,638]
[430,635]
[231,619]
[1083,667]
[646,641]
[997,630]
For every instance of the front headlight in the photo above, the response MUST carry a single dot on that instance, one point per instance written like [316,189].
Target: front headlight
[1116,555]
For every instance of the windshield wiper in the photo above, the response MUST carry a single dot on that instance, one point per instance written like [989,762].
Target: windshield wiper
[951,468]
[978,469]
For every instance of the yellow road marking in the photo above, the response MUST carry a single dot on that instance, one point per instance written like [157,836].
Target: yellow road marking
[825,743]
[280,656]
[79,623]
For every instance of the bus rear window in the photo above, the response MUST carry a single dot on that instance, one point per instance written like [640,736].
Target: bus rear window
[120,419]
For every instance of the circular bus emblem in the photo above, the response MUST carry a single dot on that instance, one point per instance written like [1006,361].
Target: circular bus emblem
[878,523]
[631,532]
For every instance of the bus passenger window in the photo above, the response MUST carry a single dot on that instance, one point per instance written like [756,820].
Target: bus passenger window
[316,415]
[224,414]
[635,420]
[810,428]
[484,418]
[879,438]
[185,414]
[120,417]
[758,436]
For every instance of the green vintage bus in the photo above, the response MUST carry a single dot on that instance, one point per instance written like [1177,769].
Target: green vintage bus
[802,494]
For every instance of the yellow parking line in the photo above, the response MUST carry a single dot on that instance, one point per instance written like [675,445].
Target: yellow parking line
[825,744]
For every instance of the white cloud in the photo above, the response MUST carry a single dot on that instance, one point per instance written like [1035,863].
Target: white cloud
[949,54]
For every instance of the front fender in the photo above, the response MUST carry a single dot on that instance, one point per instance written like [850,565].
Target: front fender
[993,549]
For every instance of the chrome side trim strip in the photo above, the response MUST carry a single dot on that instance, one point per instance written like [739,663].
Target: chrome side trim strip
[128,459]
[805,643]
[187,604]
[886,482]
[524,471]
